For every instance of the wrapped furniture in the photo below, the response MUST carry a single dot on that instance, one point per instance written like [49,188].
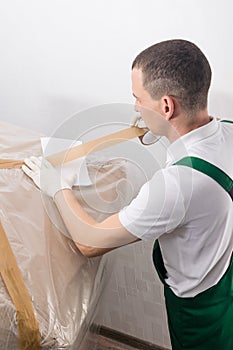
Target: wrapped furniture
[63,285]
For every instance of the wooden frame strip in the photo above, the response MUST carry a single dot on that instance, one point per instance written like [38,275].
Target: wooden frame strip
[28,329]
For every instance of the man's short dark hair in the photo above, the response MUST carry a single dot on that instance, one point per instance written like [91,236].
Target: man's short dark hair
[177,68]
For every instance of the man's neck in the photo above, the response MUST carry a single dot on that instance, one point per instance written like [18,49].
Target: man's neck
[183,124]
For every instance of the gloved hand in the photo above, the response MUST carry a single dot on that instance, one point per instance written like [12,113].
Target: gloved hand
[148,138]
[46,177]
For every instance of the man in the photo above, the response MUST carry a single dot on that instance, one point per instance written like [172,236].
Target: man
[186,207]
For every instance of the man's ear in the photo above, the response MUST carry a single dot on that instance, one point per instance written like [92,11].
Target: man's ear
[168,106]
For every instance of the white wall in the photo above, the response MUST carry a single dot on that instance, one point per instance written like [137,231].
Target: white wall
[60,56]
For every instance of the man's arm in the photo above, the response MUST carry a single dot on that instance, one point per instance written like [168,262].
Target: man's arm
[91,238]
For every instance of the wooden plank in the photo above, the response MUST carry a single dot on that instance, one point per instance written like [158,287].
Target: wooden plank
[96,145]
[28,330]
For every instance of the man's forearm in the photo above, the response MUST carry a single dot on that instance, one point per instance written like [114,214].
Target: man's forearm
[66,202]
[85,231]
[74,216]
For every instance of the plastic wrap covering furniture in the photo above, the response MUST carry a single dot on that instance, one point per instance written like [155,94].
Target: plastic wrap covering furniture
[64,286]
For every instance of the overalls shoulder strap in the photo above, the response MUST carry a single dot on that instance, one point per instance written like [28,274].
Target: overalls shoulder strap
[209,169]
[227,121]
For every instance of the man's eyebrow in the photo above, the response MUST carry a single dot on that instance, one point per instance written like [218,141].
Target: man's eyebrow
[134,95]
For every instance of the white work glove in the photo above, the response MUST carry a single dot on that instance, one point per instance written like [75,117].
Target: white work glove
[46,177]
[148,138]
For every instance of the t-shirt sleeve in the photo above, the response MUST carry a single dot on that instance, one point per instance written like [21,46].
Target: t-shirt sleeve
[157,209]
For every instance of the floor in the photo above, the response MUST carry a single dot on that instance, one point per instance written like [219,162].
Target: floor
[98,342]
[104,338]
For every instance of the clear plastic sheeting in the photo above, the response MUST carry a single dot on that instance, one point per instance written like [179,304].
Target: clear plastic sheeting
[64,286]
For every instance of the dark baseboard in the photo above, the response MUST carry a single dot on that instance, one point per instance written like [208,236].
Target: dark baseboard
[125,338]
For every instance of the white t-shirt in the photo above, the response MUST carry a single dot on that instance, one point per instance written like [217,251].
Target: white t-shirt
[189,212]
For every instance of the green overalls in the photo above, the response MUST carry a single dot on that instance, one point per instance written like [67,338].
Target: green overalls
[204,322]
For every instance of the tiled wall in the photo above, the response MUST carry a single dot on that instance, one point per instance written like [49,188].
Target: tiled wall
[133,300]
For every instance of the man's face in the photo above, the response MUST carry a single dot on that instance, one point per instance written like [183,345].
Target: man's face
[149,109]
